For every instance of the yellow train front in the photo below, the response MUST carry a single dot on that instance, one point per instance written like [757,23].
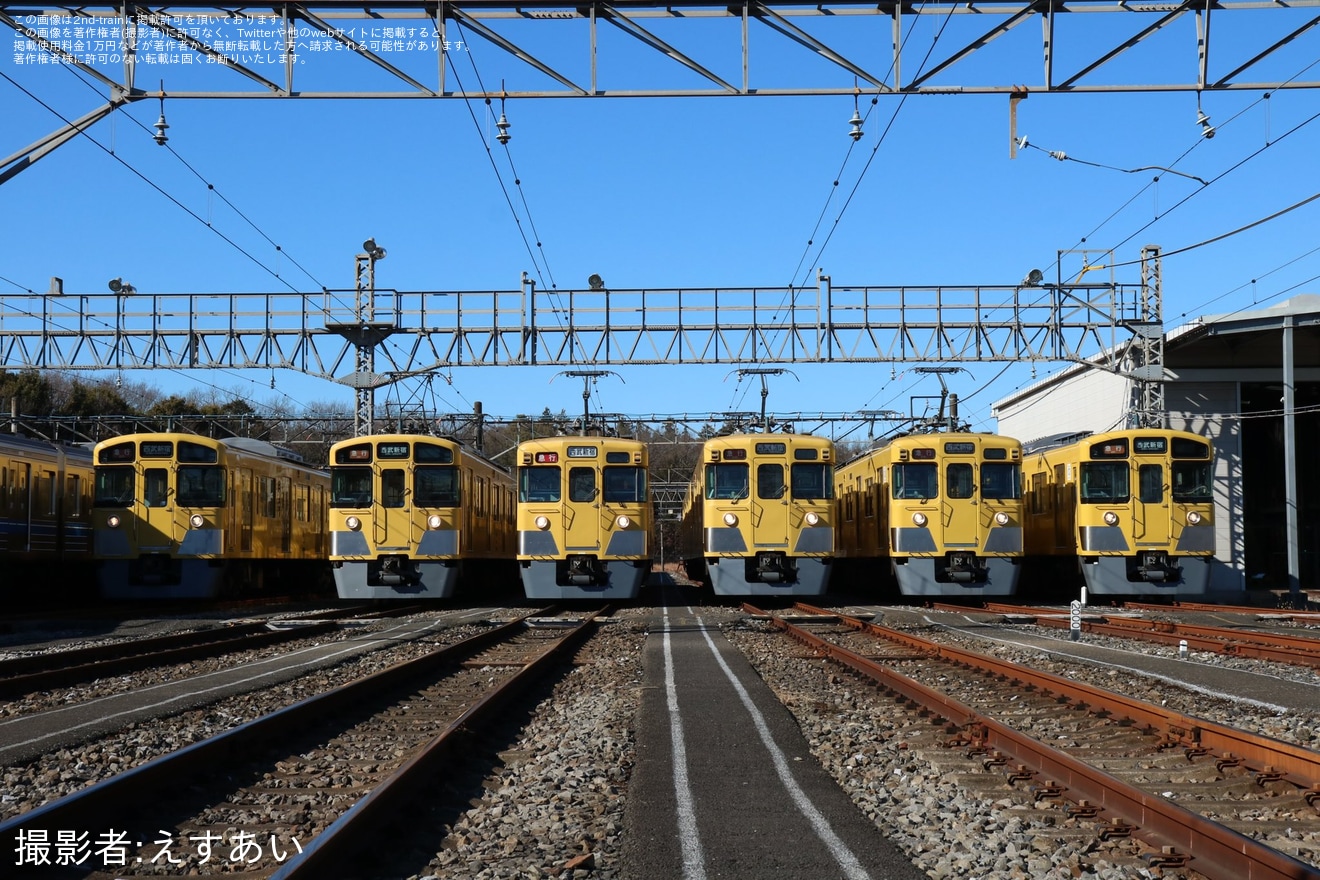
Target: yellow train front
[1132,509]
[759,516]
[941,512]
[183,516]
[45,516]
[584,517]
[414,516]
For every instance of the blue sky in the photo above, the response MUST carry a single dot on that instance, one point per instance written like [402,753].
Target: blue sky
[663,193]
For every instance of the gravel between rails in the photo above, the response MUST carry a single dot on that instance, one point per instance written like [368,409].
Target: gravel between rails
[554,807]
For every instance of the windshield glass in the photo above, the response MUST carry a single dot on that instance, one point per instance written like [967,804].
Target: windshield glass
[350,487]
[114,487]
[1001,481]
[1104,482]
[726,481]
[201,486]
[538,484]
[812,480]
[916,481]
[1191,482]
[436,486]
[624,484]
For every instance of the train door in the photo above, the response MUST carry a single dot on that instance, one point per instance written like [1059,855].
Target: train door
[770,503]
[284,513]
[393,526]
[1150,508]
[25,500]
[247,508]
[962,511]
[582,533]
[1065,507]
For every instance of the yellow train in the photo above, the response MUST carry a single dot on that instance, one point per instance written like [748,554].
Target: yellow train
[184,516]
[1132,509]
[942,513]
[584,517]
[45,515]
[414,516]
[759,515]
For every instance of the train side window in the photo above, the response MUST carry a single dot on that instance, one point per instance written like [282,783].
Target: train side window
[266,486]
[581,484]
[155,487]
[392,487]
[1150,479]
[114,487]
[1041,501]
[538,484]
[435,486]
[959,480]
[770,481]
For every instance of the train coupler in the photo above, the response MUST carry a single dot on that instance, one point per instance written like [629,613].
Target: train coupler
[771,568]
[963,568]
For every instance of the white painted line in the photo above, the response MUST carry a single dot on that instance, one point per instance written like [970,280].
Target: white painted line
[1072,654]
[852,868]
[694,862]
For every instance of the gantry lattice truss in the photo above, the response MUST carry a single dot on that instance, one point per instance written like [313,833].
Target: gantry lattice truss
[369,338]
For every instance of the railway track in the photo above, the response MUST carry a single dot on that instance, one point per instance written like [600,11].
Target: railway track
[37,672]
[298,791]
[1141,762]
[1274,646]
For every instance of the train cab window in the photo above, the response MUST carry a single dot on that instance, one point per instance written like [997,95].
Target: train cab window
[915,481]
[1105,482]
[1191,482]
[392,487]
[581,484]
[727,482]
[200,486]
[1001,481]
[155,487]
[1150,483]
[624,484]
[114,487]
[770,481]
[538,484]
[811,481]
[435,486]
[958,480]
[350,487]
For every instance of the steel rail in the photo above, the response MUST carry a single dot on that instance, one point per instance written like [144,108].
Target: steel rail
[1219,852]
[102,660]
[1280,648]
[1178,605]
[1267,758]
[325,855]
[115,795]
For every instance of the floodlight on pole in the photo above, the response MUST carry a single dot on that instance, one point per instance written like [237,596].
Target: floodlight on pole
[1034,278]
[120,286]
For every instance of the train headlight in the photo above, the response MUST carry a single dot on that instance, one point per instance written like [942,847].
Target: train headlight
[542,522]
[353,523]
[1001,518]
[623,522]
[919,519]
[1111,518]
[434,521]
[730,519]
[812,518]
[1193,518]
[112,521]
[196,521]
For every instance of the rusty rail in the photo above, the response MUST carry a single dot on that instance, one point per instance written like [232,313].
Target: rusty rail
[1220,853]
